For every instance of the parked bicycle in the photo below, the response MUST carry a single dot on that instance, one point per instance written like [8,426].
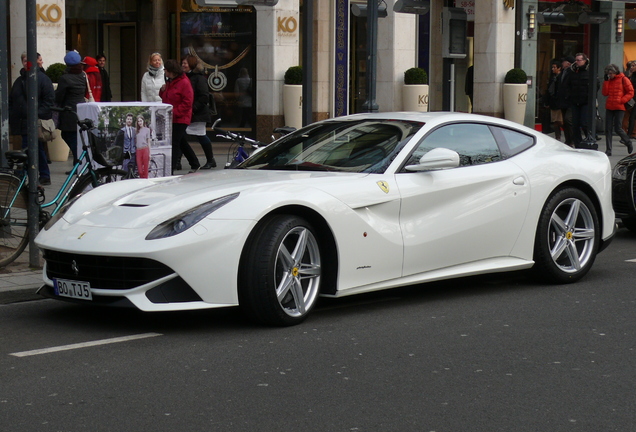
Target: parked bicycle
[14,233]
[237,152]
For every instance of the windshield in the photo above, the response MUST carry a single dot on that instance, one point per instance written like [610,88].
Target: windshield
[356,146]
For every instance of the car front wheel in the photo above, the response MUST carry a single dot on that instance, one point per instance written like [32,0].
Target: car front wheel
[280,274]
[566,242]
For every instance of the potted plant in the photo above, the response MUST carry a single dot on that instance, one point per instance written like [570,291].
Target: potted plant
[515,94]
[57,148]
[55,71]
[415,90]
[293,97]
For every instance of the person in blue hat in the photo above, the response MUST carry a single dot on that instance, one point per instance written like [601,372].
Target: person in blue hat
[71,90]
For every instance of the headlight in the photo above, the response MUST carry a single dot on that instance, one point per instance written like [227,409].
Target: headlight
[620,172]
[186,220]
[60,214]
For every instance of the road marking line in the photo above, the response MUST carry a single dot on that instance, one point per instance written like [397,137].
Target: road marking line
[84,345]
[631,260]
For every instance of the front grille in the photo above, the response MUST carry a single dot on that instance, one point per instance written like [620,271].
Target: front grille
[104,272]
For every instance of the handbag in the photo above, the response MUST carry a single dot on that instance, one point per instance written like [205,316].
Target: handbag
[90,97]
[45,130]
[630,103]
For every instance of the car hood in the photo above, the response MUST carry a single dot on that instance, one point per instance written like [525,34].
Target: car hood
[136,203]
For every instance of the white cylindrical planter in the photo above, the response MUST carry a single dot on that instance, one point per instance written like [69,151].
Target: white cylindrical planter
[415,97]
[293,105]
[514,102]
[58,149]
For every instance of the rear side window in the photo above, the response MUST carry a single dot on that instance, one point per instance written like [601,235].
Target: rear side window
[511,142]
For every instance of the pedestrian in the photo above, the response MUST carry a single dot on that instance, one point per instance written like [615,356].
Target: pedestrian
[71,90]
[200,109]
[177,91]
[469,86]
[618,89]
[107,94]
[153,79]
[578,87]
[566,112]
[243,89]
[551,101]
[18,110]
[94,78]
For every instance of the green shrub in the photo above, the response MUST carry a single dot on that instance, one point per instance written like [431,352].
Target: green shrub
[415,76]
[516,76]
[294,75]
[55,70]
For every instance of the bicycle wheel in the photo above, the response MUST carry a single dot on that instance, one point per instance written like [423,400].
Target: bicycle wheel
[104,176]
[14,232]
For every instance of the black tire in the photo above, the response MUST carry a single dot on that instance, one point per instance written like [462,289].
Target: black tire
[104,175]
[14,232]
[567,238]
[281,264]
[629,223]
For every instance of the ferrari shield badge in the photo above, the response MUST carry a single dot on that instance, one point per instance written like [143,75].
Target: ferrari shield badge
[384,186]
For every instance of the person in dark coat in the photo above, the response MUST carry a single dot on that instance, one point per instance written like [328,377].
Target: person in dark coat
[18,110]
[107,94]
[578,88]
[71,90]
[551,100]
[631,74]
[566,112]
[200,109]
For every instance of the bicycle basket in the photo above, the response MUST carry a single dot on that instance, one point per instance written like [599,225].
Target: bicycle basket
[106,151]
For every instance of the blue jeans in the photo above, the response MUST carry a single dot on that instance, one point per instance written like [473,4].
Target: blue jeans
[43,166]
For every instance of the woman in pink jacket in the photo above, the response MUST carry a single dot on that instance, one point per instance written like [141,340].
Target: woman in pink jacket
[178,92]
[619,90]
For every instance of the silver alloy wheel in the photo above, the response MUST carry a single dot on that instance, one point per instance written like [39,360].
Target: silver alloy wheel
[297,271]
[571,235]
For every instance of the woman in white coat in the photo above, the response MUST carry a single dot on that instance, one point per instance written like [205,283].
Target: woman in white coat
[152,80]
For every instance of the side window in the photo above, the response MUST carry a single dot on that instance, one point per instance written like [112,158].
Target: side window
[474,143]
[512,142]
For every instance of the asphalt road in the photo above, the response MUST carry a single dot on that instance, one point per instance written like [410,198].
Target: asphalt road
[496,353]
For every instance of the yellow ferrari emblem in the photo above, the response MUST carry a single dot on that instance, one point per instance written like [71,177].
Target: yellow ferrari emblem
[569,235]
[384,186]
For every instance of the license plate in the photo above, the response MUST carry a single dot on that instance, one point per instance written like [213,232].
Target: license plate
[72,289]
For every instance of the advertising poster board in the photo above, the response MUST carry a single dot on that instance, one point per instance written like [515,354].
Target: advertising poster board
[135,134]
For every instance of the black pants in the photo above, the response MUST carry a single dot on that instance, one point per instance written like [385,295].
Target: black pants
[181,146]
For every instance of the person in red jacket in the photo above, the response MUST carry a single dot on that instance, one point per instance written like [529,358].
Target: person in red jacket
[94,77]
[618,89]
[178,92]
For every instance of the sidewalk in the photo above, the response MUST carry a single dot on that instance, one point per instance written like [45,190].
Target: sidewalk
[18,281]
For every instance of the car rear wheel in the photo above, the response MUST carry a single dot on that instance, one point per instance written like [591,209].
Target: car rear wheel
[280,274]
[566,242]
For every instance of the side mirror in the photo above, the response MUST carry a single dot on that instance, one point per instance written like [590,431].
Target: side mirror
[438,158]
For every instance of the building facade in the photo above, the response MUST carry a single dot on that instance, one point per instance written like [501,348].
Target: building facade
[262,42]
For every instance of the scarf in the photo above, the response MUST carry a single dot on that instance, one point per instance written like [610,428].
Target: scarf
[152,71]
